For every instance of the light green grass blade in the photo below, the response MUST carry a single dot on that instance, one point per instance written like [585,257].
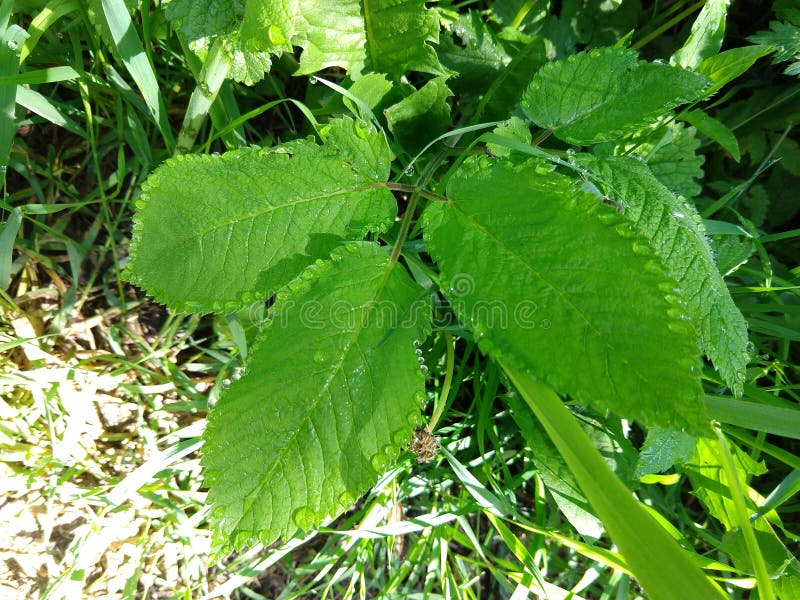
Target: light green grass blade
[44,107]
[130,49]
[662,567]
[8,235]
[705,40]
[754,415]
[11,39]
[51,13]
[51,75]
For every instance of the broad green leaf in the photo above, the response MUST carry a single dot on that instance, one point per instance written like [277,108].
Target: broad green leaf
[731,252]
[550,277]
[714,129]
[507,88]
[196,19]
[605,93]
[381,36]
[420,117]
[677,236]
[241,28]
[726,66]
[332,390]
[663,449]
[475,54]
[706,37]
[664,569]
[711,485]
[214,232]
[275,18]
[669,149]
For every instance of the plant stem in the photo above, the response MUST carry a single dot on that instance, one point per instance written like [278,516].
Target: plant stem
[212,75]
[448,381]
[522,13]
[765,591]
[675,20]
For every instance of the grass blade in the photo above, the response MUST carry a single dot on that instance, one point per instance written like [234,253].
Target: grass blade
[661,566]
[11,39]
[130,49]
[8,235]
[754,415]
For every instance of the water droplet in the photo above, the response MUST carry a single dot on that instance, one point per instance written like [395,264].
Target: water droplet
[424,369]
[418,352]
[304,518]
[642,248]
[653,267]
[677,214]
[625,231]
[413,419]
[420,397]
[400,437]
[409,172]
[307,275]
[13,45]
[346,500]
[675,313]
[571,151]
[379,462]
[320,357]
[608,218]
[751,348]
[312,80]
[352,247]
[417,343]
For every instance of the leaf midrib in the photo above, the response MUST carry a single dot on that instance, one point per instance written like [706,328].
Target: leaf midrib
[384,278]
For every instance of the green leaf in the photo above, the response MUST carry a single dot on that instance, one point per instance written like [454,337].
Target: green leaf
[605,93]
[555,473]
[712,486]
[507,88]
[381,36]
[727,66]
[677,236]
[214,232]
[241,28]
[422,116]
[550,277]
[663,449]
[713,129]
[670,150]
[474,53]
[731,252]
[785,38]
[332,390]
[705,40]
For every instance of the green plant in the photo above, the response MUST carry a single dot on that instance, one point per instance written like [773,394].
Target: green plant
[551,214]
[548,257]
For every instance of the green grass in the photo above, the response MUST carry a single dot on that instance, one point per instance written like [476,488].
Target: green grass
[103,395]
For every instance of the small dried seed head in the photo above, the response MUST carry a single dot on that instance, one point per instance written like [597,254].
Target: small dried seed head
[423,445]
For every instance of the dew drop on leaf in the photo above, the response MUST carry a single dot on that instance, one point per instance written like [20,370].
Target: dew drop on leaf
[320,357]
[379,462]
[303,518]
[346,500]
